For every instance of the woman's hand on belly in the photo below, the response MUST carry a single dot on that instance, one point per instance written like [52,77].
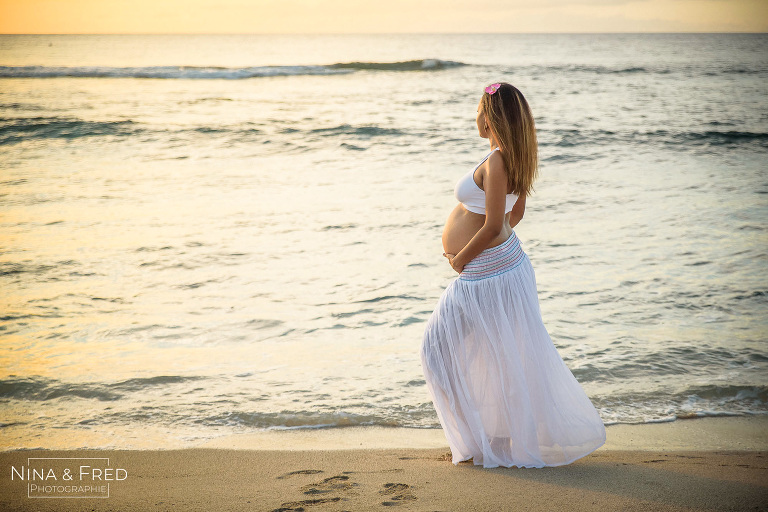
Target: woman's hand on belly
[450,260]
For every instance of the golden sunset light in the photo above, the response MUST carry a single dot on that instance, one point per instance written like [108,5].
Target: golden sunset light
[366,16]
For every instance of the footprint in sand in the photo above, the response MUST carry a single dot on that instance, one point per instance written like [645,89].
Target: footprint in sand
[398,493]
[330,484]
[298,506]
[395,470]
[300,472]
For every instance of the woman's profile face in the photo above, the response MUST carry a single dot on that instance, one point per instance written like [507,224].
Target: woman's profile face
[481,120]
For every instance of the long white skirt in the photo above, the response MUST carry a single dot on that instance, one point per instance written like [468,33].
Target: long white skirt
[503,394]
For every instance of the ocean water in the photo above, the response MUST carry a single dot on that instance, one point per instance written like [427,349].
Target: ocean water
[208,235]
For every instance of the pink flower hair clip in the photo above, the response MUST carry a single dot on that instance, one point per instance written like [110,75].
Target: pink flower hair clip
[492,88]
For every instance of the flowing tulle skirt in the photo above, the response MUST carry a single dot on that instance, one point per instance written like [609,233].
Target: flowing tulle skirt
[502,393]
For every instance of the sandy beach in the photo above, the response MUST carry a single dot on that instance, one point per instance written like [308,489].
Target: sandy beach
[698,464]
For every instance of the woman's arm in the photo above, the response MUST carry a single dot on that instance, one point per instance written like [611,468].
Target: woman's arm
[516,215]
[495,186]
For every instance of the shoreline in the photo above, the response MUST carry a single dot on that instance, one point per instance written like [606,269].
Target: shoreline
[703,433]
[693,464]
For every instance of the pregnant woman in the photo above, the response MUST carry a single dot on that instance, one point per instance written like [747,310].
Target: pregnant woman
[502,393]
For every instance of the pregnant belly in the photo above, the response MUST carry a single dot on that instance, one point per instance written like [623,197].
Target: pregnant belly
[462,225]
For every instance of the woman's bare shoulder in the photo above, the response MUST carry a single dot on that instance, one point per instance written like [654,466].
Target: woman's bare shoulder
[494,166]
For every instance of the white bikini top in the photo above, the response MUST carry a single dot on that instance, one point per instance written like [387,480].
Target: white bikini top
[472,196]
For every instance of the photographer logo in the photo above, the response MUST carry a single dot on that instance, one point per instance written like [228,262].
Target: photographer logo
[68,477]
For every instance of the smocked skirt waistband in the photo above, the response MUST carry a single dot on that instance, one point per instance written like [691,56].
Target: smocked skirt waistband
[494,261]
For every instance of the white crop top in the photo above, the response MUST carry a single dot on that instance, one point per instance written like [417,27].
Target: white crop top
[472,196]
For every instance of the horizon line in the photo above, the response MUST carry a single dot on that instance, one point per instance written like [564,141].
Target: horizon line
[353,33]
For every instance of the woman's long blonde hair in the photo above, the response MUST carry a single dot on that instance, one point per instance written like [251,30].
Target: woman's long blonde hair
[510,120]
